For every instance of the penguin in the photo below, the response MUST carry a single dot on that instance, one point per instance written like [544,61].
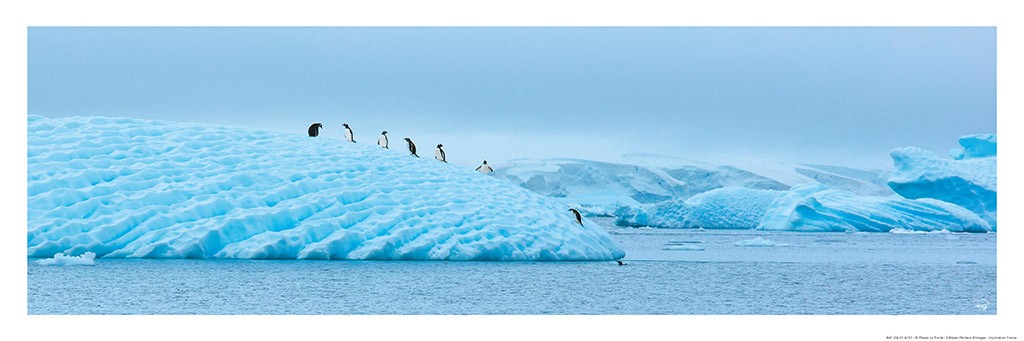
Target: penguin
[439,153]
[348,133]
[412,147]
[314,130]
[484,168]
[579,218]
[620,262]
[382,141]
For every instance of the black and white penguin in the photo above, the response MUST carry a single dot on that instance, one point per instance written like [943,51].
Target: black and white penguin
[412,147]
[439,153]
[348,133]
[484,168]
[314,130]
[579,218]
[382,141]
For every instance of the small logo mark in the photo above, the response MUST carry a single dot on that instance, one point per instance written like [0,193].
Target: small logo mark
[981,304]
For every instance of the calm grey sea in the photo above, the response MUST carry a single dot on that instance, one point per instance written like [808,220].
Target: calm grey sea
[668,272]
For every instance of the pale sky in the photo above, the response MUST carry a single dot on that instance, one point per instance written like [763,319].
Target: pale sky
[843,96]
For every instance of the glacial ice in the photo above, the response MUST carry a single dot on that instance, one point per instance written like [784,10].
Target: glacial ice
[969,181]
[121,187]
[601,188]
[722,208]
[975,146]
[815,207]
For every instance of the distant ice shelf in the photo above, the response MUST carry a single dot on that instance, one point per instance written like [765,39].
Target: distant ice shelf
[129,188]
[601,188]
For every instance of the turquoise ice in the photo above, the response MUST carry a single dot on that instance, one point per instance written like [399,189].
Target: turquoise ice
[128,188]
[968,180]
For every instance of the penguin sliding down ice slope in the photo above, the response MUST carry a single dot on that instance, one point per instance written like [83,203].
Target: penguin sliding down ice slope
[382,141]
[348,133]
[484,168]
[439,153]
[579,218]
[314,130]
[412,147]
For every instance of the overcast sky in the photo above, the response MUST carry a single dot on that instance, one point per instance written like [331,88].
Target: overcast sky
[842,96]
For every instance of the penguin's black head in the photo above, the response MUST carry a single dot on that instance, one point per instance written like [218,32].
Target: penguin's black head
[485,162]
[439,145]
[407,139]
[345,125]
[384,132]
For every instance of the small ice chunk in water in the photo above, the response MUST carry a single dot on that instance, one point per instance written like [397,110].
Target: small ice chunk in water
[87,258]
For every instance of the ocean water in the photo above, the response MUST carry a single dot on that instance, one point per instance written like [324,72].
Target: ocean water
[667,272]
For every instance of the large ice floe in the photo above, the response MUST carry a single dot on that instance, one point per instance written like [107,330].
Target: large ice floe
[968,180]
[815,207]
[123,187]
[722,208]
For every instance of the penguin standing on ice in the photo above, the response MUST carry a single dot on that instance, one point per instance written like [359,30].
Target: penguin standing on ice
[579,218]
[314,130]
[382,141]
[412,147]
[484,168]
[439,153]
[348,133]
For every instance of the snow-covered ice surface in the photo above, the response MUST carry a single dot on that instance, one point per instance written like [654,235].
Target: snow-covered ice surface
[969,182]
[815,207]
[819,273]
[600,188]
[128,188]
[722,208]
[87,258]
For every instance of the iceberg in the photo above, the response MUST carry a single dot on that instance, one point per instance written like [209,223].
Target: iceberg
[975,146]
[600,188]
[129,188]
[968,181]
[815,207]
[722,208]
[87,258]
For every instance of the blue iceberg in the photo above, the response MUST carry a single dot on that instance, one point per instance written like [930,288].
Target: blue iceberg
[128,188]
[815,207]
[969,180]
[722,208]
